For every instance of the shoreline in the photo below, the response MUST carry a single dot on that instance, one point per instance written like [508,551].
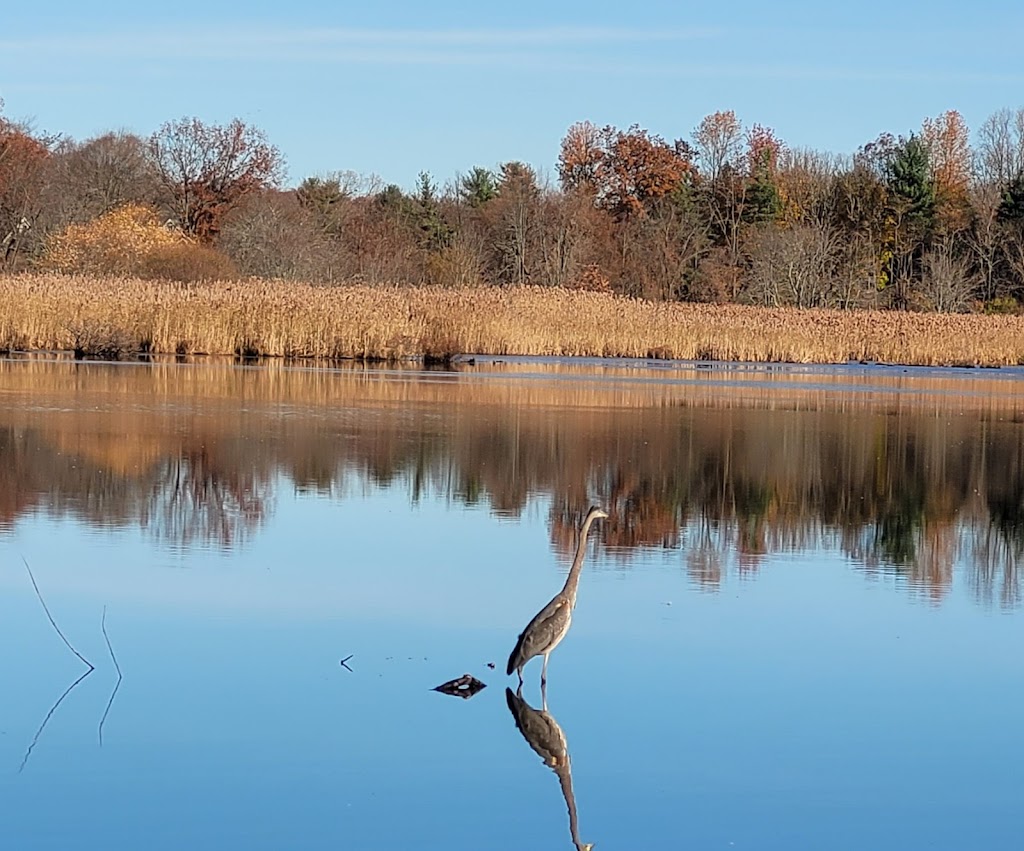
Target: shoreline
[113,319]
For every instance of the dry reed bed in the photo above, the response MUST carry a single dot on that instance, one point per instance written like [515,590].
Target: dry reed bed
[112,317]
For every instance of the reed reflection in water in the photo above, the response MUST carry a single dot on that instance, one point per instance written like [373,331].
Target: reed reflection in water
[914,474]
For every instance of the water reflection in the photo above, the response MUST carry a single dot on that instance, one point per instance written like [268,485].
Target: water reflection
[915,475]
[544,735]
[49,715]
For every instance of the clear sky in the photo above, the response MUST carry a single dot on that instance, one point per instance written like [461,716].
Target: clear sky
[394,88]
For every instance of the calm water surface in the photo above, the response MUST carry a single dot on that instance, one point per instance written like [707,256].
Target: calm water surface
[801,626]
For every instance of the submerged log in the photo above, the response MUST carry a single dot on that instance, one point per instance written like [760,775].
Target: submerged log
[465,686]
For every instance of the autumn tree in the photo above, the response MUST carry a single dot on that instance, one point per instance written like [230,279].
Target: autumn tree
[718,142]
[572,238]
[23,169]
[865,222]
[643,184]
[580,157]
[624,170]
[947,142]
[131,240]
[637,168]
[207,169]
[114,243]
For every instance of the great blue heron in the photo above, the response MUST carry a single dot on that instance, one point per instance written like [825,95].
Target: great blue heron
[551,623]
[542,733]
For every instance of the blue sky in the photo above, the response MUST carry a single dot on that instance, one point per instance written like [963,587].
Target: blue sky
[395,88]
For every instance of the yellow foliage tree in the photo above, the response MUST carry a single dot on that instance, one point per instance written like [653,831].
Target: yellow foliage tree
[121,242]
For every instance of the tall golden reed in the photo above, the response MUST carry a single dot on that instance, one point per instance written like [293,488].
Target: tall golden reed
[110,316]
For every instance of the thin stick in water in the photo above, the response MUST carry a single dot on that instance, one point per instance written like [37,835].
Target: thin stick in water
[53,623]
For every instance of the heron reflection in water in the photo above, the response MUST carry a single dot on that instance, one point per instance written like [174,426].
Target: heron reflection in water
[550,624]
[543,734]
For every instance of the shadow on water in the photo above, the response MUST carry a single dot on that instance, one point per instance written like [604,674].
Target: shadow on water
[89,669]
[48,716]
[120,676]
[544,735]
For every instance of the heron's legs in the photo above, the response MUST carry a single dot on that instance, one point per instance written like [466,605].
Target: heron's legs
[544,695]
[520,672]
[544,672]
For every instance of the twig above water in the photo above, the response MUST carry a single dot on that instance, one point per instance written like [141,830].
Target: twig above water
[53,623]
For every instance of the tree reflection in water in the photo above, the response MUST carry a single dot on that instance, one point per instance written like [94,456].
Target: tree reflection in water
[920,480]
[197,498]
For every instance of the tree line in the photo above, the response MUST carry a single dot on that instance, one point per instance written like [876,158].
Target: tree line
[932,220]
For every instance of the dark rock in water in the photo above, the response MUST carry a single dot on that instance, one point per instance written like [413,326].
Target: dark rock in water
[465,686]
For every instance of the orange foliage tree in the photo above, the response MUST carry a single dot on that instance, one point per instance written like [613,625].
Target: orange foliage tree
[947,141]
[579,160]
[638,168]
[625,169]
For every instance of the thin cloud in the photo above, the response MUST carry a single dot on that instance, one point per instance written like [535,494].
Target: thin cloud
[541,49]
[256,42]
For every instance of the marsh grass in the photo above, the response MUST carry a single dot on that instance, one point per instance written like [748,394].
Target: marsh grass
[110,317]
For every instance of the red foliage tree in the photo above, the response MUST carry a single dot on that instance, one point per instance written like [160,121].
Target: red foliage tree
[764,151]
[207,169]
[23,160]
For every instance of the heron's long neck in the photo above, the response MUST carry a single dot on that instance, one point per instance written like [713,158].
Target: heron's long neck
[573,579]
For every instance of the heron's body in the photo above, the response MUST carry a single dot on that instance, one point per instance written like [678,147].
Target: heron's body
[549,626]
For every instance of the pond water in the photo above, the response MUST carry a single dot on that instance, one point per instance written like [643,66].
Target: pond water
[800,626]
